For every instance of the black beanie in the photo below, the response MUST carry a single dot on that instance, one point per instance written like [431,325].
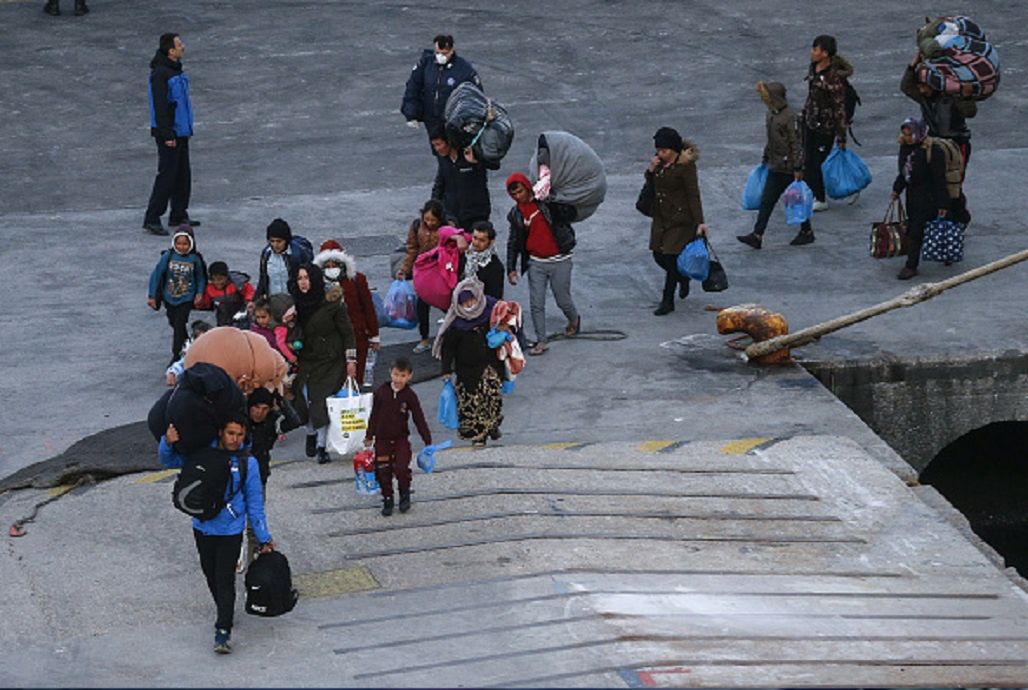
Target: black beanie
[218,268]
[260,396]
[667,138]
[280,229]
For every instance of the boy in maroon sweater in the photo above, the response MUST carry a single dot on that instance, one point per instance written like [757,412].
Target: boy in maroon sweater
[388,431]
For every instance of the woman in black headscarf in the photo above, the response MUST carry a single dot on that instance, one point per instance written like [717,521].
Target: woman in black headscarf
[462,346]
[328,354]
[922,175]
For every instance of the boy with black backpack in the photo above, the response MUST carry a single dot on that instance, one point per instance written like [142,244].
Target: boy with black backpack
[221,487]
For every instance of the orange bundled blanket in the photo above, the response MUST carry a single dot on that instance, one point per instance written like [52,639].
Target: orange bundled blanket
[245,356]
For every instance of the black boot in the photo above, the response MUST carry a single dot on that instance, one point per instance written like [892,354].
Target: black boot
[663,309]
[404,501]
[683,288]
[80,8]
[52,7]
[311,449]
[323,456]
[387,506]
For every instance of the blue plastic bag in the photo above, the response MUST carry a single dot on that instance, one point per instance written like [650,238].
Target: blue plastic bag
[754,188]
[426,458]
[401,302]
[694,261]
[799,203]
[844,173]
[448,406]
[507,387]
[384,321]
[365,483]
[495,337]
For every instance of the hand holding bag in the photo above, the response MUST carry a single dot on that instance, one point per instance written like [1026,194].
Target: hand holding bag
[889,237]
[717,279]
[348,419]
[694,261]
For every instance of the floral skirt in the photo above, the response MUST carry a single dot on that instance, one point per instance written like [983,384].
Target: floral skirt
[480,409]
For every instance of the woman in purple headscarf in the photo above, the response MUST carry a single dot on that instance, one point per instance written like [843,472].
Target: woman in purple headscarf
[923,177]
[462,346]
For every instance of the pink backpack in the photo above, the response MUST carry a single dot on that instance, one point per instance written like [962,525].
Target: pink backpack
[436,271]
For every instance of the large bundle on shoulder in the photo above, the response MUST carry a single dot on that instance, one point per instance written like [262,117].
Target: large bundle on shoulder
[958,58]
[204,398]
[244,355]
[577,176]
[475,120]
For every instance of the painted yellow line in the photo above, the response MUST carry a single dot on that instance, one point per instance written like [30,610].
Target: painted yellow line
[156,476]
[332,583]
[653,446]
[59,490]
[560,446]
[743,445]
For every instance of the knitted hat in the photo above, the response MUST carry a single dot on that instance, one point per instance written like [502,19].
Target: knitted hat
[520,179]
[280,229]
[260,396]
[187,230]
[330,244]
[667,138]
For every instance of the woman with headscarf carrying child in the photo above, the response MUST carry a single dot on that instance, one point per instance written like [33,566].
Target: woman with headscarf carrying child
[328,353]
[463,348]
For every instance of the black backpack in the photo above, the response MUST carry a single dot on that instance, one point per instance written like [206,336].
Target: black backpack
[200,487]
[269,586]
[198,406]
[851,101]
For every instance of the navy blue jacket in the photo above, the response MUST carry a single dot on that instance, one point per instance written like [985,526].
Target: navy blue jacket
[171,112]
[430,84]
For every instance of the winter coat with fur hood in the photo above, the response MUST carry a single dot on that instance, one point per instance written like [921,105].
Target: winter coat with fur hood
[783,152]
[677,210]
[356,296]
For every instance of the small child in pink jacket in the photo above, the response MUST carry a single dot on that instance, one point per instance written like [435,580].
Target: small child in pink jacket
[276,335]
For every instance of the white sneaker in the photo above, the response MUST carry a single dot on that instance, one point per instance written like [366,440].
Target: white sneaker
[421,347]
[852,198]
[820,205]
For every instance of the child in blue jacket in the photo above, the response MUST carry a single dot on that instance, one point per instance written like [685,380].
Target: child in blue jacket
[178,280]
[219,539]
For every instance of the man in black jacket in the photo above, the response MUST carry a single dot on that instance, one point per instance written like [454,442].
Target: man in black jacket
[171,125]
[461,182]
[480,260]
[433,79]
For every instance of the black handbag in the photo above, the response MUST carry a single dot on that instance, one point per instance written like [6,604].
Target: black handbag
[647,197]
[717,279]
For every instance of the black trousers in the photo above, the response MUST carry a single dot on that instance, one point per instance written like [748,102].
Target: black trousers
[816,147]
[218,556]
[773,188]
[173,183]
[672,278]
[178,319]
[424,311]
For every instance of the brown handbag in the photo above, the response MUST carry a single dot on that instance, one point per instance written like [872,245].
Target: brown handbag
[889,237]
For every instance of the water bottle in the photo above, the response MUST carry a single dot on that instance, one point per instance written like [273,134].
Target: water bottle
[369,368]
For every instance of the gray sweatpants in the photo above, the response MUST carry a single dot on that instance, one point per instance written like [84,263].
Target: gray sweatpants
[558,275]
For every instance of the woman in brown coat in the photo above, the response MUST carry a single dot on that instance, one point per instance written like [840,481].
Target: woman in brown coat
[677,211]
[422,236]
[340,269]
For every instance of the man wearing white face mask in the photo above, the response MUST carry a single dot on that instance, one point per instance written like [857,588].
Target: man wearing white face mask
[351,287]
[432,80]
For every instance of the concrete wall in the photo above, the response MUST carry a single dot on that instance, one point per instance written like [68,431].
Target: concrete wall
[920,406]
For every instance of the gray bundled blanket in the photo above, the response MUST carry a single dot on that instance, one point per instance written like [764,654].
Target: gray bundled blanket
[577,176]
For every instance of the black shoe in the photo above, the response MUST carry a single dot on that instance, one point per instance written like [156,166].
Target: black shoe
[52,7]
[753,239]
[222,641]
[906,273]
[80,8]
[311,449]
[323,458]
[404,502]
[387,506]
[683,289]
[802,238]
[495,434]
[155,228]
[186,221]
[663,309]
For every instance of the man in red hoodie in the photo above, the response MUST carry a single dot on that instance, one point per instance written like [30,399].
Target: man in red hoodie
[542,238]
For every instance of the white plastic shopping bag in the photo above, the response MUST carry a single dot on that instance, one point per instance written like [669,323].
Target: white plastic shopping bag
[348,419]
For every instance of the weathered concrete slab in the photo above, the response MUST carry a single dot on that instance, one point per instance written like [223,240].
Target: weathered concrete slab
[801,560]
